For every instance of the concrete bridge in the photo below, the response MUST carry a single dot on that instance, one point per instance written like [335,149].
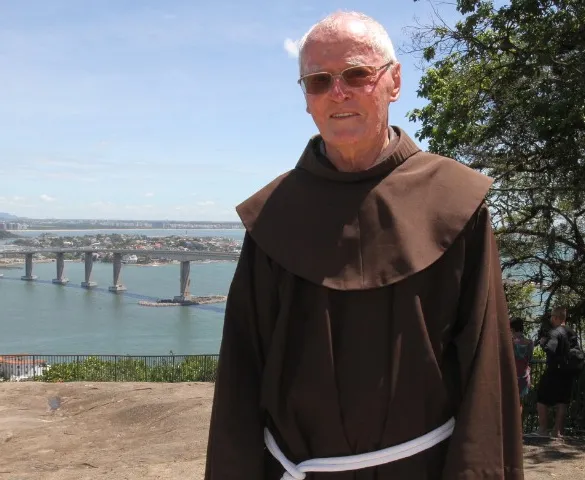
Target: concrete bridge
[184,257]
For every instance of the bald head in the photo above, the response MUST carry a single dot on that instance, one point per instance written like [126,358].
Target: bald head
[353,27]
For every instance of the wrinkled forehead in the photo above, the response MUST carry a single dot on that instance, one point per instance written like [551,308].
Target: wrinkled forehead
[328,51]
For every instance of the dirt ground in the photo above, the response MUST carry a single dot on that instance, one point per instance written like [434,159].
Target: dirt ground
[132,431]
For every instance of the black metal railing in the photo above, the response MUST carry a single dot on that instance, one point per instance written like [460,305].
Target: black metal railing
[575,423]
[109,368]
[203,368]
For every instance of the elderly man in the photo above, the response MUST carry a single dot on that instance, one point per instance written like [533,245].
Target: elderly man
[366,331]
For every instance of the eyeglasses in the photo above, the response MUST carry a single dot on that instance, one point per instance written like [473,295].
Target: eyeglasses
[355,77]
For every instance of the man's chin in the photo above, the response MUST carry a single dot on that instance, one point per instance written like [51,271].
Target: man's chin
[344,138]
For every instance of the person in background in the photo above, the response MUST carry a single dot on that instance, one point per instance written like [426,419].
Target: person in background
[556,384]
[523,352]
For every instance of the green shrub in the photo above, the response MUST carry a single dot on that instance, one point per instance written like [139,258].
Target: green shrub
[134,369]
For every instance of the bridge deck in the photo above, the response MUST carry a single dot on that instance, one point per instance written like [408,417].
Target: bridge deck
[169,254]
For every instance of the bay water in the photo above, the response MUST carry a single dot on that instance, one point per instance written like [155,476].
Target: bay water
[41,318]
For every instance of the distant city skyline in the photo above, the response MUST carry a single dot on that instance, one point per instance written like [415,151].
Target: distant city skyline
[25,223]
[6,217]
[153,110]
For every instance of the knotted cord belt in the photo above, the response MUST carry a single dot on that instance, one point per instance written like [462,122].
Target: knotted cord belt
[356,462]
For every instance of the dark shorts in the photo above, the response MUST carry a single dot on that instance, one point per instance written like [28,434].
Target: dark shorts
[555,387]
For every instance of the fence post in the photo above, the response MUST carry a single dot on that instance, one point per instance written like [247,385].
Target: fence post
[173,371]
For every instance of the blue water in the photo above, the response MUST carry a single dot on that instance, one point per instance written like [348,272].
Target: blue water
[42,318]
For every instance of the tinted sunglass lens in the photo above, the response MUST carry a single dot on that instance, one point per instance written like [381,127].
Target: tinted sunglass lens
[315,84]
[358,76]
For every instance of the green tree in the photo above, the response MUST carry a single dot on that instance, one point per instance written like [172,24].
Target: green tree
[505,95]
[521,300]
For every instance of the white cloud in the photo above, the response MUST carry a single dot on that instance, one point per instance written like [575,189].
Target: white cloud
[16,201]
[35,172]
[149,194]
[102,205]
[206,203]
[137,208]
[46,198]
[292,48]
[67,164]
[68,176]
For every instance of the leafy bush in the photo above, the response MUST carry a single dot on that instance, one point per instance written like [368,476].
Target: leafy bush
[134,369]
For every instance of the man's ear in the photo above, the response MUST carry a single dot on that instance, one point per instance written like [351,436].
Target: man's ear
[396,81]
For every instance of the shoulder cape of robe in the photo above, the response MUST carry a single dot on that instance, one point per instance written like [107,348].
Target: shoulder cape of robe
[366,309]
[347,230]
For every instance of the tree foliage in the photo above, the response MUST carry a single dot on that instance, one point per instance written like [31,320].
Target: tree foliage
[520,299]
[505,91]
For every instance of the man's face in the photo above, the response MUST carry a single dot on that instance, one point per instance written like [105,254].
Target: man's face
[368,106]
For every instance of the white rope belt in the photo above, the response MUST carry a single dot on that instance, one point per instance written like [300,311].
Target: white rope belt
[356,462]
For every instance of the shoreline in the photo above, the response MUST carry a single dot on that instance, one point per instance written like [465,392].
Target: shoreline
[117,229]
[21,263]
[195,300]
[18,263]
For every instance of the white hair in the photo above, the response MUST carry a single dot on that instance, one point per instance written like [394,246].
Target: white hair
[377,38]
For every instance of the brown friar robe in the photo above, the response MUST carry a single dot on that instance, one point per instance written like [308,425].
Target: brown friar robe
[366,310]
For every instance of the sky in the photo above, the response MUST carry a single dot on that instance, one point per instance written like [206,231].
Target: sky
[172,109]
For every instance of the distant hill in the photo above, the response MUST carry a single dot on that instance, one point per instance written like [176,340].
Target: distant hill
[4,235]
[7,216]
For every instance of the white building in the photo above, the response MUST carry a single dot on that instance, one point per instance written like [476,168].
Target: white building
[16,368]
[129,259]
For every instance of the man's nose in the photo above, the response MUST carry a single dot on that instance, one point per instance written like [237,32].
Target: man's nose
[339,89]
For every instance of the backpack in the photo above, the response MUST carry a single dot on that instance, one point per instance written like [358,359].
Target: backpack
[574,360]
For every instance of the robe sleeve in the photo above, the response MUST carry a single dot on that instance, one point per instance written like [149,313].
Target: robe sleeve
[235,448]
[487,441]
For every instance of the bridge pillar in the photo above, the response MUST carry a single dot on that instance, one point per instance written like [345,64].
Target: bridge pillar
[28,276]
[185,283]
[88,266]
[117,286]
[60,280]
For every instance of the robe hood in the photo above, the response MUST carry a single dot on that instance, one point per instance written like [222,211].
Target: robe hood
[367,229]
